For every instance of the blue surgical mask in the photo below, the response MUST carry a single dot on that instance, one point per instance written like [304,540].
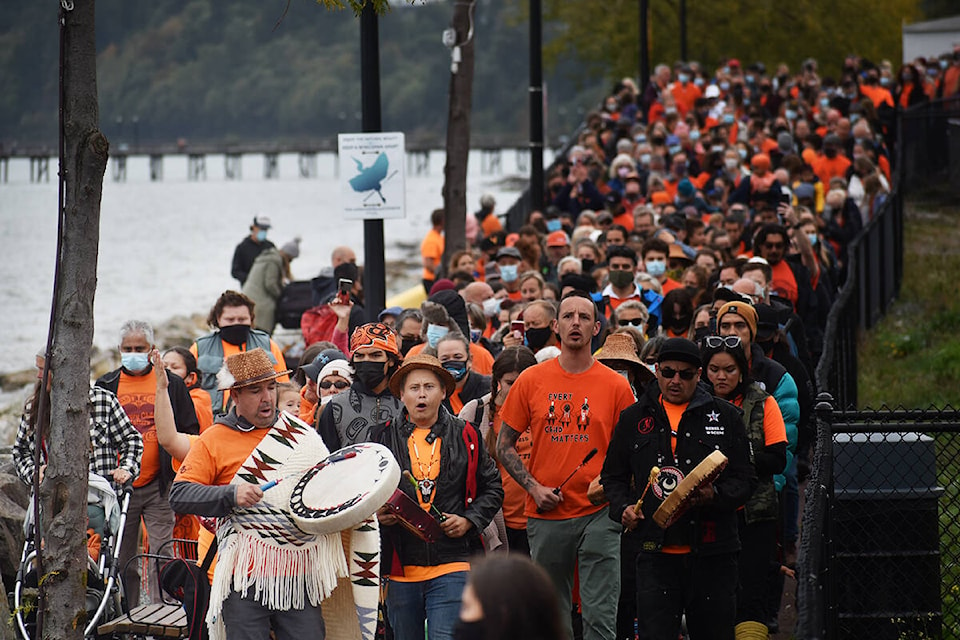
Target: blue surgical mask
[261,235]
[509,272]
[698,81]
[134,361]
[884,81]
[554,225]
[491,307]
[812,237]
[475,335]
[656,268]
[695,135]
[728,118]
[743,153]
[791,114]
[746,102]
[434,333]
[456,368]
[674,149]
[683,78]
[724,86]
[645,159]
[824,102]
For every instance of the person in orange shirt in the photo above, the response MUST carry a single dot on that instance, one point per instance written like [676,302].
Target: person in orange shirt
[231,317]
[454,480]
[832,164]
[685,92]
[569,404]
[180,361]
[453,352]
[489,222]
[135,385]
[431,249]
[654,254]
[485,413]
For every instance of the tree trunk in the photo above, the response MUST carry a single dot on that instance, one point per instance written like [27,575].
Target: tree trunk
[64,489]
[458,133]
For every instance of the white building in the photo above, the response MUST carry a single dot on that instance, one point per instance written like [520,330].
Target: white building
[930,39]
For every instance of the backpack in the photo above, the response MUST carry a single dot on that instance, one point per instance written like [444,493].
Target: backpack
[317,323]
[295,298]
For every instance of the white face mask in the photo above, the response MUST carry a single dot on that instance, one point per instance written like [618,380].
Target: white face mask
[491,307]
[731,163]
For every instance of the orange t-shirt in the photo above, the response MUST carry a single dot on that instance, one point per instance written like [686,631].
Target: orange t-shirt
[482,360]
[784,283]
[827,168]
[625,220]
[568,415]
[685,95]
[490,225]
[674,415]
[514,496]
[202,407]
[137,395]
[669,285]
[432,247]
[425,464]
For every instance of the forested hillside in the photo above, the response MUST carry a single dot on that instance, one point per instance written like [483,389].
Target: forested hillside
[211,70]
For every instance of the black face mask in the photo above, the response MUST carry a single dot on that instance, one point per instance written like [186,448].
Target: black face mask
[678,324]
[370,374]
[235,334]
[537,338]
[830,152]
[700,333]
[408,343]
[587,264]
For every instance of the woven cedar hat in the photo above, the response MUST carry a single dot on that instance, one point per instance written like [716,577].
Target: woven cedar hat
[620,346]
[246,368]
[421,361]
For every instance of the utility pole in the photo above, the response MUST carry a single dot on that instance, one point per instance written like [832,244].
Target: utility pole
[374,271]
[536,106]
[459,38]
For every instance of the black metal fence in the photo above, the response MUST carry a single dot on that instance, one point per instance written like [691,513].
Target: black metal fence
[880,546]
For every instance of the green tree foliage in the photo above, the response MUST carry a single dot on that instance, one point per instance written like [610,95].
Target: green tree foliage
[771,31]
[205,70]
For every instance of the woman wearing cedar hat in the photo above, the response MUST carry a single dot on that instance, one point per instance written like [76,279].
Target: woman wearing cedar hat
[455,477]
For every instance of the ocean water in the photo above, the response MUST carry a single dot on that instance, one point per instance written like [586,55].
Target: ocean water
[166,247]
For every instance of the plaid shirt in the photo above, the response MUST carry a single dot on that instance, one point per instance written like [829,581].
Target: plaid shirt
[114,441]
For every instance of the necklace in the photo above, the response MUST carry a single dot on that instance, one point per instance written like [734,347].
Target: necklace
[425,484]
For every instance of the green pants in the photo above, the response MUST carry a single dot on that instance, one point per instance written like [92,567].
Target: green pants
[591,543]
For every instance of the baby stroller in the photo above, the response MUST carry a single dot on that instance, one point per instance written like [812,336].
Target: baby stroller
[104,589]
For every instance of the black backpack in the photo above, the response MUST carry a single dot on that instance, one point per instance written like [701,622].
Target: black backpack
[296,298]
[186,582]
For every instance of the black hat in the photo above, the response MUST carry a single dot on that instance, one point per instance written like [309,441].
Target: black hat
[509,252]
[681,350]
[767,321]
[729,295]
[325,357]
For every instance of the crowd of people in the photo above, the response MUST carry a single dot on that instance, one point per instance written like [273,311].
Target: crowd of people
[555,387]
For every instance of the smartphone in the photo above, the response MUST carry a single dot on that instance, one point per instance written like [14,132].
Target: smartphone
[516,326]
[343,291]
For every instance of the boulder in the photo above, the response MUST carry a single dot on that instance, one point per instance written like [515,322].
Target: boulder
[14,499]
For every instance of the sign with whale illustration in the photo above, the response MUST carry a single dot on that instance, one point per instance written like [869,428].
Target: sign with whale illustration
[372,175]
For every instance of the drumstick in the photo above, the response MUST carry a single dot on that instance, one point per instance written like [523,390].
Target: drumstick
[654,474]
[328,460]
[586,459]
[409,476]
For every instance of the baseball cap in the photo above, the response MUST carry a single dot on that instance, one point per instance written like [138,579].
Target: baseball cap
[557,239]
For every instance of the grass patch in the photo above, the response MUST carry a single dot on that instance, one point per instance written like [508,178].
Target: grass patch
[912,357]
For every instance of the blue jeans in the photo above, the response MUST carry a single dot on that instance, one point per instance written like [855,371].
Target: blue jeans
[435,601]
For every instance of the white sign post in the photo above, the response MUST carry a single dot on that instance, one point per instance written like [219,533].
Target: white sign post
[372,175]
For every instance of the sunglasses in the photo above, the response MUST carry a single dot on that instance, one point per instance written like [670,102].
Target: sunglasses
[637,322]
[339,384]
[686,374]
[715,342]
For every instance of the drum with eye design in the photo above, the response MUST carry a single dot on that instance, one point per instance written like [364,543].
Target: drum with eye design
[681,498]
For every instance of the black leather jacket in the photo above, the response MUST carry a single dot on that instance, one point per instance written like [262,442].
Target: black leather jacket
[450,492]
[641,440]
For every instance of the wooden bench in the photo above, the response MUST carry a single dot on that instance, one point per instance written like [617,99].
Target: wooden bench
[158,620]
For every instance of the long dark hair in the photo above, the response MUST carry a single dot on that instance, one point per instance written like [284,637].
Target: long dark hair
[510,360]
[518,598]
[739,357]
